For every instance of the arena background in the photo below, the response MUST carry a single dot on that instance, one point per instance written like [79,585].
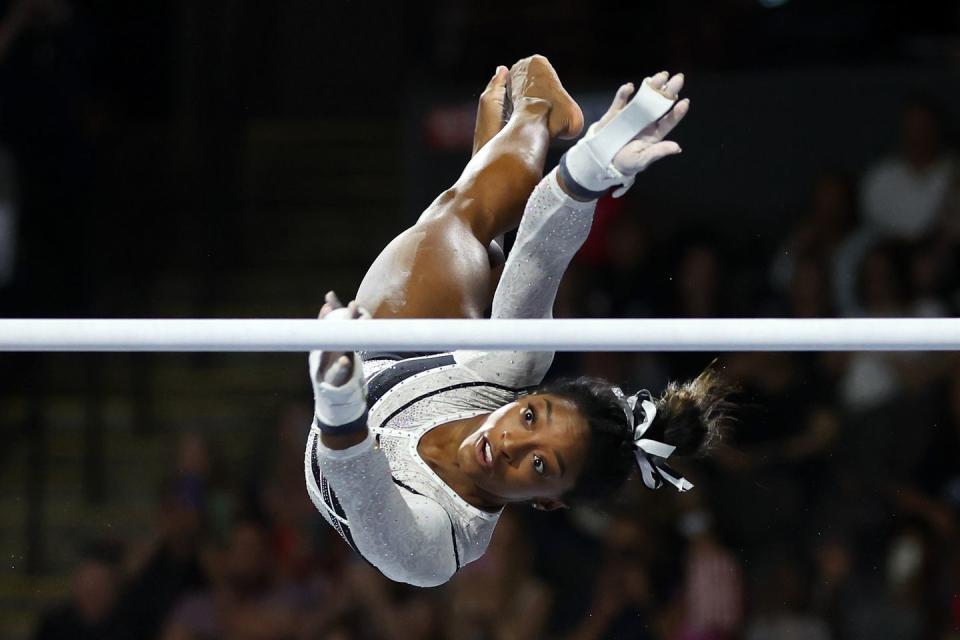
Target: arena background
[238,159]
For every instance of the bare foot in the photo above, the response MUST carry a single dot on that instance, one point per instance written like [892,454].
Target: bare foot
[535,77]
[491,112]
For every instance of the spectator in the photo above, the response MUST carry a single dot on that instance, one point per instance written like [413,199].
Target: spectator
[934,493]
[874,379]
[499,597]
[836,589]
[897,611]
[701,282]
[780,595]
[619,267]
[713,588]
[168,567]
[195,480]
[932,273]
[91,613]
[371,606]
[244,599]
[698,280]
[825,236]
[810,291]
[292,515]
[623,599]
[903,196]
[787,425]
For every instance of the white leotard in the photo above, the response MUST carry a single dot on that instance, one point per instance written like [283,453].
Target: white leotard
[380,495]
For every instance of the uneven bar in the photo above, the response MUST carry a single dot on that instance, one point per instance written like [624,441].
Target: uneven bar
[767,334]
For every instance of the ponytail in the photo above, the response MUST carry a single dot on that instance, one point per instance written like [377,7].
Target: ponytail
[694,416]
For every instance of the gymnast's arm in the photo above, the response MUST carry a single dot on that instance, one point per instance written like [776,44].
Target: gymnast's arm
[554,226]
[559,214]
[408,537]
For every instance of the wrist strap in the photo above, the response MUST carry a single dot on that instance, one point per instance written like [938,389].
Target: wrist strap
[338,405]
[576,190]
[354,426]
[589,163]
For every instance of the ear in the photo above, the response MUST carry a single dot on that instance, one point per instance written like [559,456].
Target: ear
[549,504]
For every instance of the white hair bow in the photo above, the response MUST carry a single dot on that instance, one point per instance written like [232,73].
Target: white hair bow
[650,454]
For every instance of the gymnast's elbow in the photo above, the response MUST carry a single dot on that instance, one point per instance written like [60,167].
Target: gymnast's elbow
[417,569]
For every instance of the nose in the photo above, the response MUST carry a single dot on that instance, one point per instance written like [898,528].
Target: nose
[513,445]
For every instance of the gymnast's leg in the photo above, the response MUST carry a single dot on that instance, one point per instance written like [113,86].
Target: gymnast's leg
[441,267]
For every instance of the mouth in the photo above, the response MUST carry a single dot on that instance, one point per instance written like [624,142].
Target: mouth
[484,453]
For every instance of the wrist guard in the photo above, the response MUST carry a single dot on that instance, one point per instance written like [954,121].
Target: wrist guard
[587,168]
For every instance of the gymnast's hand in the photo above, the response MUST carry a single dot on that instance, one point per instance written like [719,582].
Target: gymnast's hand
[336,367]
[626,140]
[649,145]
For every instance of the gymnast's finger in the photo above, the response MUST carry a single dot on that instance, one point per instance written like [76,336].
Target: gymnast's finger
[339,372]
[655,152]
[657,80]
[332,299]
[619,100]
[673,86]
[638,155]
[667,123]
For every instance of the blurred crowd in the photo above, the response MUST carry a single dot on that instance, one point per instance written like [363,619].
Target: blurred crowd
[830,513]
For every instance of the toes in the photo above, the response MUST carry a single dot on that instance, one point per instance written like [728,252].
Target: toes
[332,300]
[498,82]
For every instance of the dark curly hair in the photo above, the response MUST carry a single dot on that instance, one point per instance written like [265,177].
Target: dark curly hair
[692,416]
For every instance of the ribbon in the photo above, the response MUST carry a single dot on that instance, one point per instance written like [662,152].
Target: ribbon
[650,454]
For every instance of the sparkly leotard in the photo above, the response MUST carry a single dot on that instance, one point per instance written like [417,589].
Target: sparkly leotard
[380,495]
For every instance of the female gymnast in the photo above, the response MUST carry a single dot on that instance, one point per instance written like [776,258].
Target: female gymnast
[412,459]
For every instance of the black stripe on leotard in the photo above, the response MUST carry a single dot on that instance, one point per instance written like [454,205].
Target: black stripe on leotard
[367,356]
[397,373]
[330,499]
[461,385]
[453,531]
[453,536]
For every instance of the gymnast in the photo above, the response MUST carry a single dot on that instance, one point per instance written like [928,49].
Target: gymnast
[412,459]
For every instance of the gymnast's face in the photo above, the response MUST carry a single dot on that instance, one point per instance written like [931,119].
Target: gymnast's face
[532,449]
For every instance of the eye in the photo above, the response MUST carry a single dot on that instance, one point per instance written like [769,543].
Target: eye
[529,416]
[538,465]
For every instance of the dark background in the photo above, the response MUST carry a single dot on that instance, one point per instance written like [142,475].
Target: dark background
[238,159]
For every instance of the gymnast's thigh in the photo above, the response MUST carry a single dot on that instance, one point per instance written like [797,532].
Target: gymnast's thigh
[435,269]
